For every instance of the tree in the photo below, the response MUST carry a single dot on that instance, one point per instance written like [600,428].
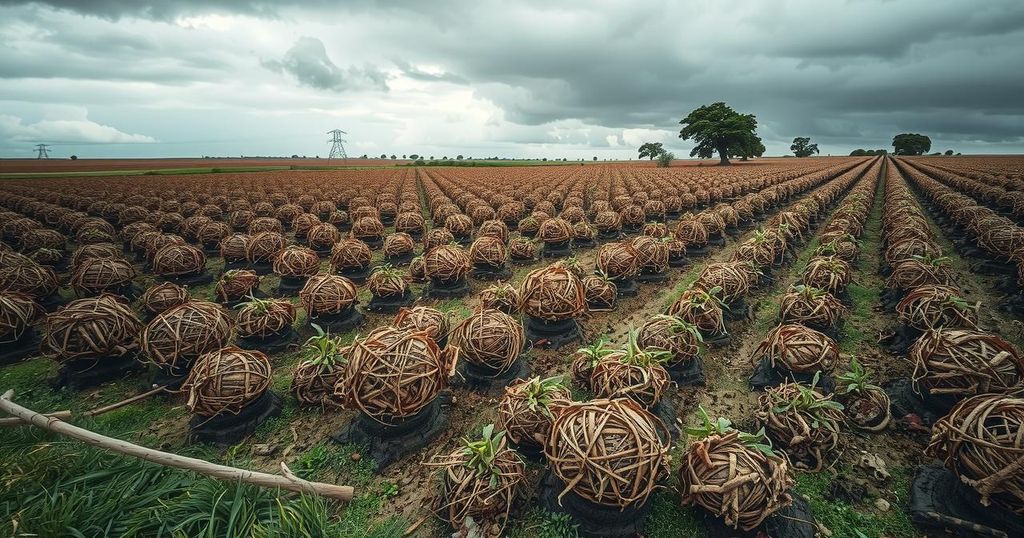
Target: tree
[459,157]
[364,156]
[911,144]
[802,147]
[651,150]
[414,156]
[75,157]
[383,155]
[403,157]
[665,159]
[948,152]
[393,157]
[719,128]
[595,157]
[750,146]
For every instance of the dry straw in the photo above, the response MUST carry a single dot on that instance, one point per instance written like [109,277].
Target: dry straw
[162,297]
[962,362]
[180,335]
[733,481]
[810,305]
[423,318]
[98,275]
[609,452]
[93,328]
[296,261]
[394,374]
[526,410]
[17,313]
[552,293]
[491,339]
[226,380]
[261,318]
[980,440]
[236,284]
[798,349]
[935,306]
[447,263]
[178,260]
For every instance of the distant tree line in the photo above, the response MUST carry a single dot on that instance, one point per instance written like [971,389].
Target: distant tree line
[868,152]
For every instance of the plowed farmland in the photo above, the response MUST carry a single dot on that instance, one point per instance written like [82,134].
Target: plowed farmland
[805,347]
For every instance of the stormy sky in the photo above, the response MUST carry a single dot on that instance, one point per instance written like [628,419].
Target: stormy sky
[125,78]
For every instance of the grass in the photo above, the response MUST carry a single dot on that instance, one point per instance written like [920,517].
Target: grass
[57,487]
[860,520]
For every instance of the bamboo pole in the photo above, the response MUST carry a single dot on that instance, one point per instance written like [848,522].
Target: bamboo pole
[15,421]
[108,408]
[286,481]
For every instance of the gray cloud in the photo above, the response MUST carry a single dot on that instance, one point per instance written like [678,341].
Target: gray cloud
[536,74]
[417,73]
[308,62]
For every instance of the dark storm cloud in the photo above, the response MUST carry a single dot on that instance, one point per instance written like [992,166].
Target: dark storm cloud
[308,62]
[847,72]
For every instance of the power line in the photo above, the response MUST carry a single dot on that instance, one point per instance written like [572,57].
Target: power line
[42,151]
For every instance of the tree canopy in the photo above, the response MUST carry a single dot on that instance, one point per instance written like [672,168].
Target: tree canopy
[868,152]
[651,150]
[802,147]
[719,128]
[911,144]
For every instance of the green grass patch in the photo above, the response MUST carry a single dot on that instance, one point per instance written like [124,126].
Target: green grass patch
[861,520]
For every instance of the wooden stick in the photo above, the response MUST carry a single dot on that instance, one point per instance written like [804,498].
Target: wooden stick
[288,482]
[108,408]
[15,421]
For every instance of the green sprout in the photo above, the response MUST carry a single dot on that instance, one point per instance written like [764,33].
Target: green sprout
[856,380]
[483,453]
[807,401]
[322,349]
[722,426]
[538,392]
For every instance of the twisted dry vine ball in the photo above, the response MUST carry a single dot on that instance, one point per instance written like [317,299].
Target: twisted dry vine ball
[226,380]
[608,452]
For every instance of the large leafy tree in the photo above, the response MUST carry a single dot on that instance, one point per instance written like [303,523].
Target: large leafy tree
[802,147]
[750,146]
[911,144]
[651,150]
[719,128]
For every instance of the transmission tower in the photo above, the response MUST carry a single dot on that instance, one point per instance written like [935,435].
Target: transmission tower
[337,145]
[42,151]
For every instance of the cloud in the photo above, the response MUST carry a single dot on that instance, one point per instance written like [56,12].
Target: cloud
[64,125]
[524,77]
[418,73]
[308,62]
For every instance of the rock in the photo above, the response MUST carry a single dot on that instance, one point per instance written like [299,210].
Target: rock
[264,449]
[356,456]
[882,504]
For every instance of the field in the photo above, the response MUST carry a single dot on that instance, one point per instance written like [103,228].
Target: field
[751,292]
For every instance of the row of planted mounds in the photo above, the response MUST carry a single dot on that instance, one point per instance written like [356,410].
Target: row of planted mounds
[171,234]
[603,459]
[992,241]
[962,376]
[716,298]
[938,328]
[811,311]
[803,409]
[620,265]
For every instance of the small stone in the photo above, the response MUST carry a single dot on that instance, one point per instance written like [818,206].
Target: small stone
[882,505]
[356,456]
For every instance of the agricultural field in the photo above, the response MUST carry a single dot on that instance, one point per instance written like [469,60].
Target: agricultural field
[785,347]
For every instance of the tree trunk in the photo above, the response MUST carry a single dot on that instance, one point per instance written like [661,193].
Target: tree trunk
[723,153]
